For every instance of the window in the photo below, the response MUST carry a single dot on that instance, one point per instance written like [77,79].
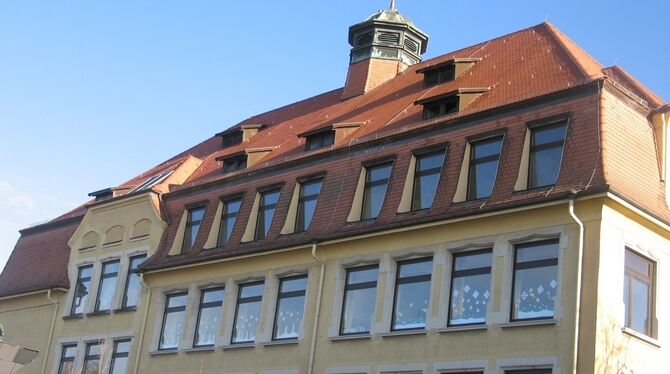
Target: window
[484,157]
[426,177]
[92,358]
[110,272]
[535,280]
[376,181]
[228,218]
[309,195]
[530,371]
[638,293]
[290,306]
[358,306]
[440,107]
[470,283]
[67,356]
[131,294]
[266,210]
[173,320]
[320,140]
[248,312]
[209,317]
[231,139]
[81,289]
[193,221]
[234,163]
[439,75]
[546,153]
[412,293]
[119,364]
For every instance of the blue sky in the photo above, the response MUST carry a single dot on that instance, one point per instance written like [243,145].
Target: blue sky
[92,93]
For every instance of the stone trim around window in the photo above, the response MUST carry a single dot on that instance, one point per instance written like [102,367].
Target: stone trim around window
[546,362]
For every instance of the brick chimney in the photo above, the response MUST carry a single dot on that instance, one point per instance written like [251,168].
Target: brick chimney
[383,45]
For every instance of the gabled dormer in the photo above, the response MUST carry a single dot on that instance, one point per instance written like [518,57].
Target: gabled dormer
[450,102]
[446,71]
[238,135]
[328,135]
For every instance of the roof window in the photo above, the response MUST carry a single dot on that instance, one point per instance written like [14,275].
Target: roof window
[440,107]
[320,140]
[234,162]
[446,71]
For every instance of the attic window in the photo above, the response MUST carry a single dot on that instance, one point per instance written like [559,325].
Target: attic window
[440,107]
[152,181]
[439,75]
[234,163]
[320,140]
[229,140]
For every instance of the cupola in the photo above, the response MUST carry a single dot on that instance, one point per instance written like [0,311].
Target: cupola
[383,45]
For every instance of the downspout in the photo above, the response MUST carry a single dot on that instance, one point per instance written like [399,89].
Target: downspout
[138,352]
[578,294]
[312,350]
[51,331]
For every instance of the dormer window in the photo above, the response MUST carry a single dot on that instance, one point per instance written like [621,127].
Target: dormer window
[320,140]
[440,107]
[234,162]
[229,140]
[446,73]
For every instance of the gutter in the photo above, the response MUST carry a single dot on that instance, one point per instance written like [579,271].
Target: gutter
[138,351]
[312,350]
[578,293]
[51,331]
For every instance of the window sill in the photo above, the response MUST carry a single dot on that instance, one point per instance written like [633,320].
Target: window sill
[463,328]
[172,351]
[73,316]
[647,339]
[539,322]
[209,348]
[125,310]
[341,338]
[239,346]
[99,313]
[281,342]
[112,244]
[139,238]
[403,333]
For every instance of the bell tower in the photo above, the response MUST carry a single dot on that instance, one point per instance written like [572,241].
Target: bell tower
[383,45]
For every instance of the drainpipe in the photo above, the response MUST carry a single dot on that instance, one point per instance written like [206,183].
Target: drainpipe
[578,294]
[312,350]
[51,331]
[138,352]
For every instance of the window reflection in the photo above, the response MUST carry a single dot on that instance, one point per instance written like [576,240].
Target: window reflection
[546,152]
[470,283]
[133,287]
[81,290]
[110,272]
[173,320]
[209,316]
[376,182]
[412,294]
[290,306]
[484,157]
[535,280]
[248,312]
[426,178]
[358,306]
[638,293]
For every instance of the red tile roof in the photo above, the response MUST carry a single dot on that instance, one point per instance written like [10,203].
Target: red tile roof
[530,74]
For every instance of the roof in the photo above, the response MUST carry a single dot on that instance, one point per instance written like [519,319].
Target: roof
[519,69]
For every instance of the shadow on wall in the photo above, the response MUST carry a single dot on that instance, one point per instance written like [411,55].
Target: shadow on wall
[612,347]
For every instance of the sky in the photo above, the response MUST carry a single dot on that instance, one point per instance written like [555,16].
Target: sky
[93,93]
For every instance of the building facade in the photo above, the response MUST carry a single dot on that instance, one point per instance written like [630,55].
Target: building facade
[500,209]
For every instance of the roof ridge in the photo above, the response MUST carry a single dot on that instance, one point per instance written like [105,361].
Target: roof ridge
[586,63]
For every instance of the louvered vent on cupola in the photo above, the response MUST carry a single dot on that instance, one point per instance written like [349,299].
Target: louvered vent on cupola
[389,38]
[411,45]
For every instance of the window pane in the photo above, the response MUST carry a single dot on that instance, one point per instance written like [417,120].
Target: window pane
[545,165]
[92,359]
[251,290]
[246,322]
[110,271]
[638,263]
[358,308]
[230,210]
[411,305]
[486,148]
[82,289]
[410,269]
[309,193]
[536,251]
[534,292]
[470,283]
[412,294]
[67,359]
[193,221]
[640,307]
[120,365]
[133,287]
[208,326]
[290,305]
[472,261]
[209,316]
[427,176]
[363,275]
[375,189]
[482,179]
[268,204]
[548,134]
[173,323]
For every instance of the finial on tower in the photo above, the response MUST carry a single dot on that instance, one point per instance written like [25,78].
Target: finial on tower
[392,6]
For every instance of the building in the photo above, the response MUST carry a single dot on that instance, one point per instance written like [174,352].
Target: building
[500,209]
